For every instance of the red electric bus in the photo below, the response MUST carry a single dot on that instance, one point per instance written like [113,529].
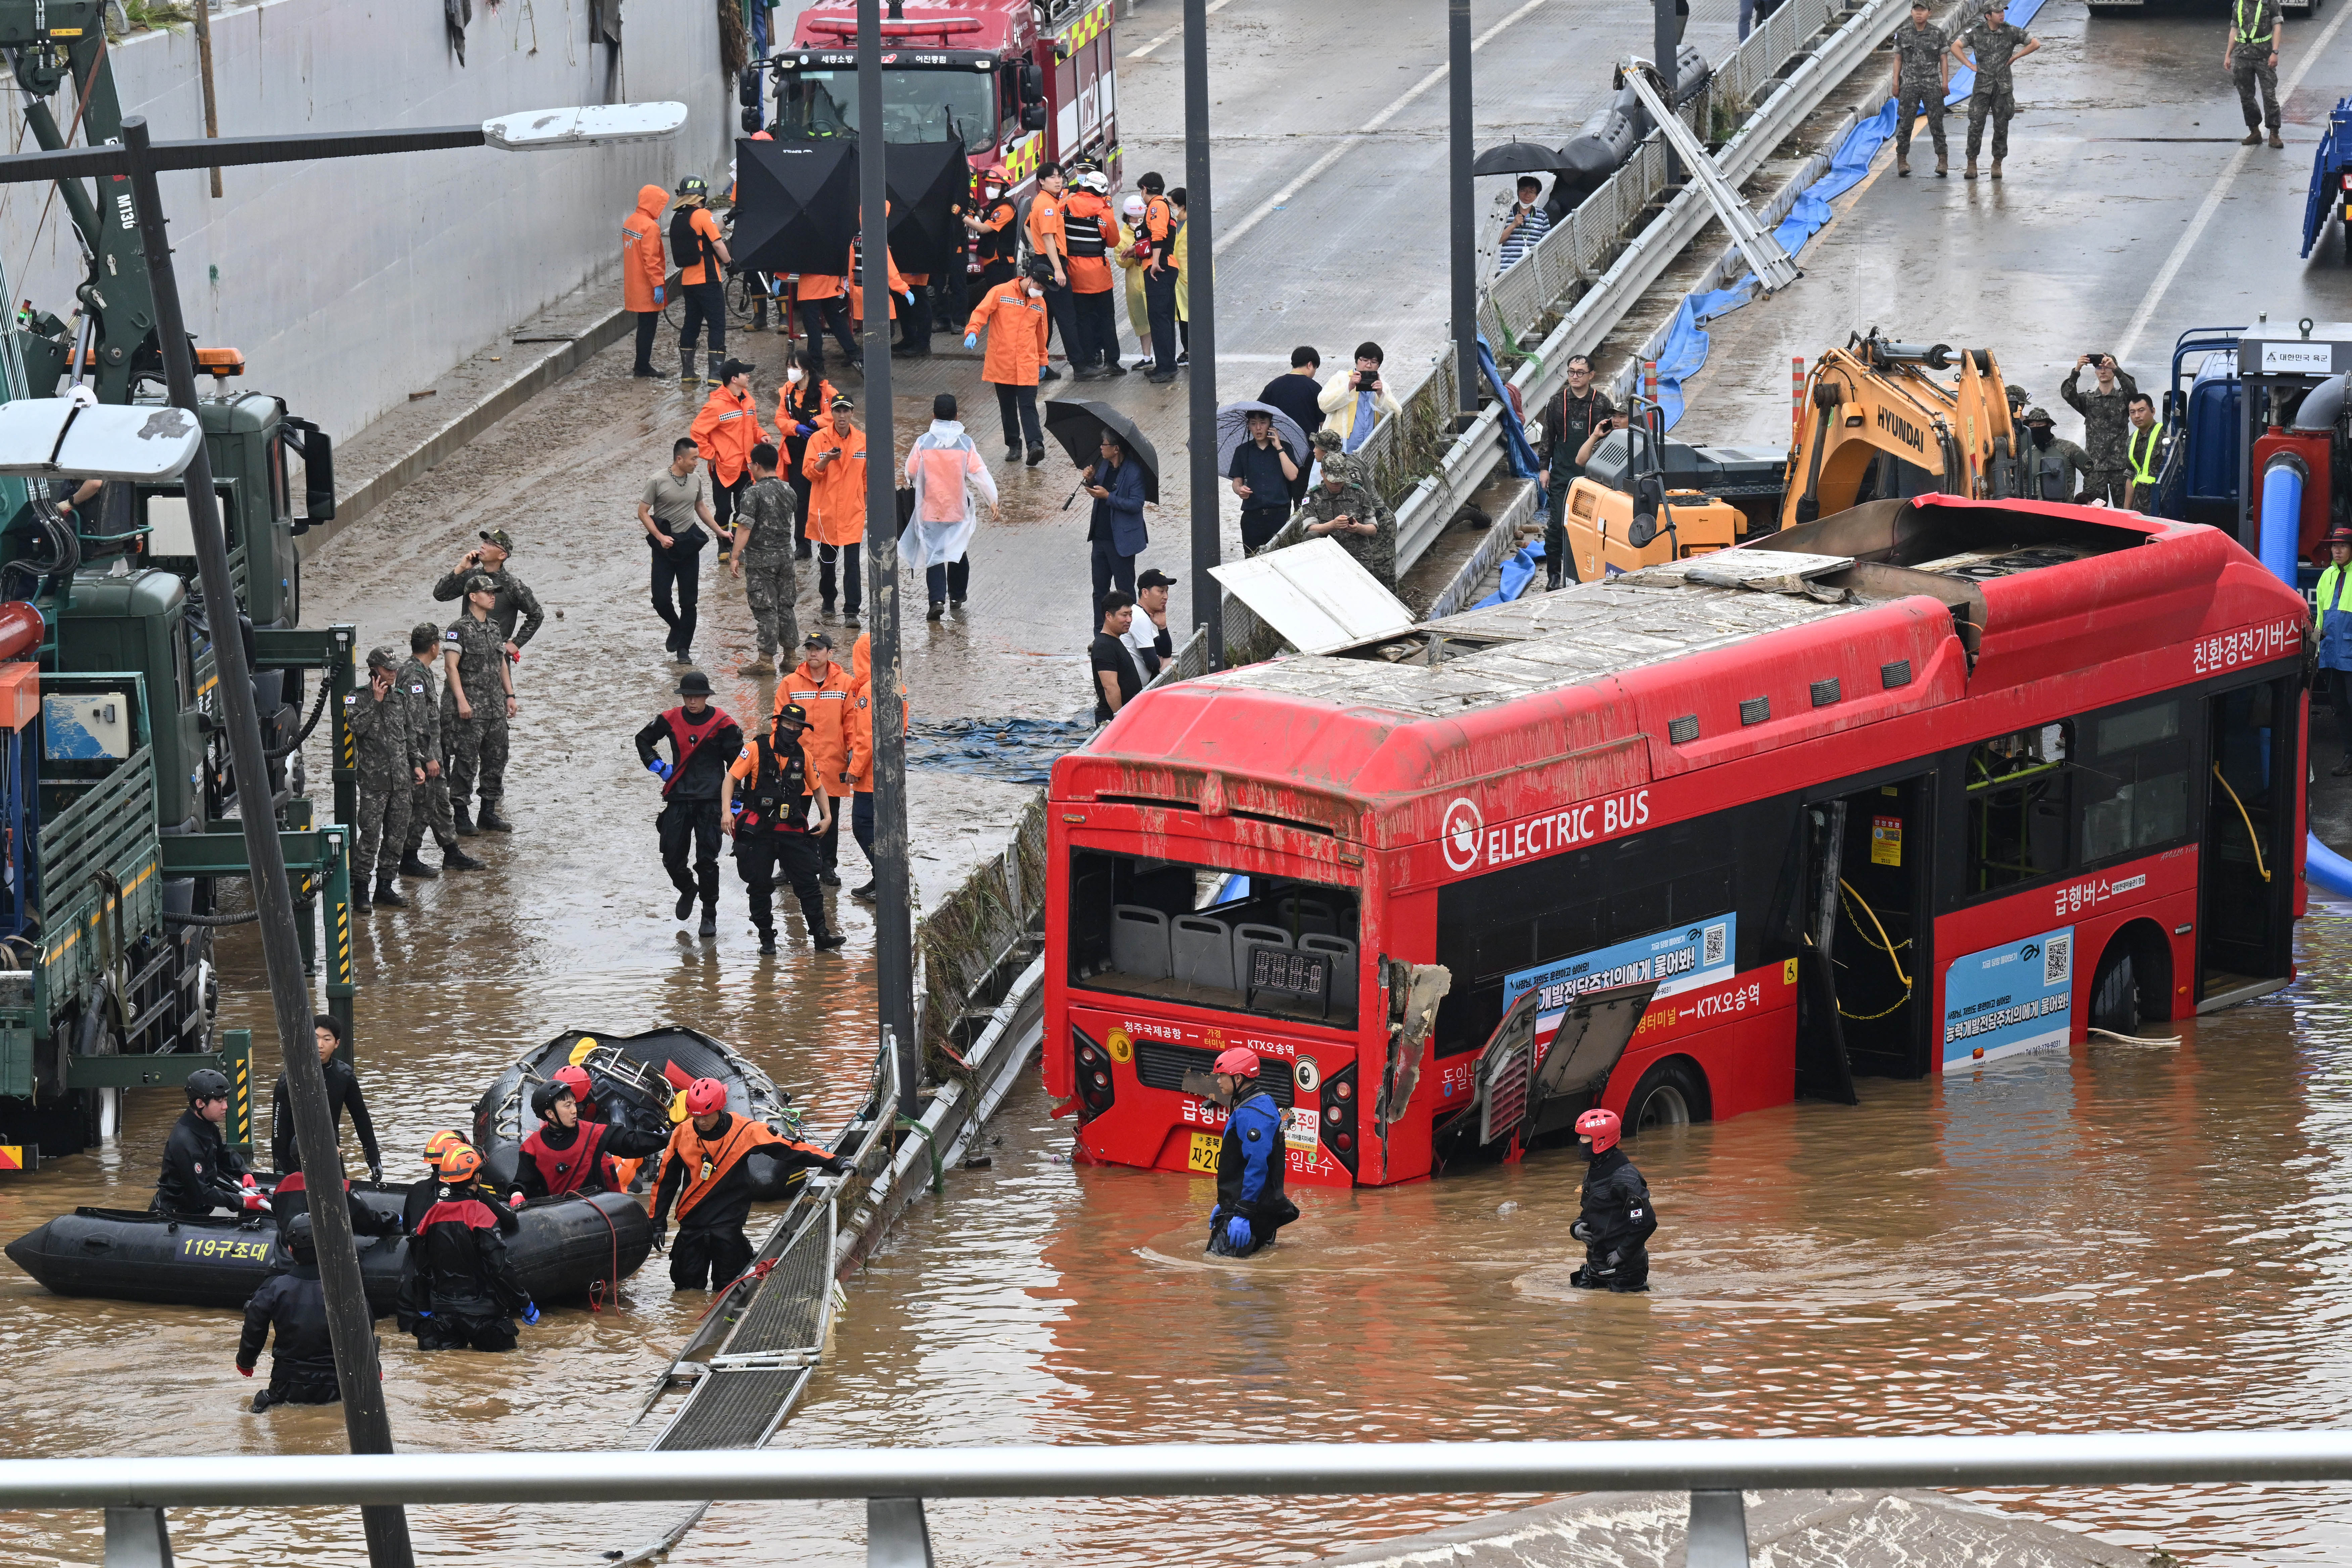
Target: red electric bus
[1925,784]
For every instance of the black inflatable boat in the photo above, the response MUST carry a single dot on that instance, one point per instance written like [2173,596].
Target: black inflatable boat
[639,1079]
[565,1245]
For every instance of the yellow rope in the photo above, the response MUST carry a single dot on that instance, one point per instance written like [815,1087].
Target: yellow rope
[1885,944]
[2252,837]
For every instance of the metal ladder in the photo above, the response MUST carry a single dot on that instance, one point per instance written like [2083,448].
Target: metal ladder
[1772,265]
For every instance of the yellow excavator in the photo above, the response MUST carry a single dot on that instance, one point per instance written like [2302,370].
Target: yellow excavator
[1881,421]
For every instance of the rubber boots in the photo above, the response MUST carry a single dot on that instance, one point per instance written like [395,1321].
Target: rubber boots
[454,858]
[490,821]
[465,829]
[767,938]
[709,926]
[387,892]
[410,866]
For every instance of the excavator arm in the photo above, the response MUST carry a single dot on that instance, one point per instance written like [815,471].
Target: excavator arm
[1884,424]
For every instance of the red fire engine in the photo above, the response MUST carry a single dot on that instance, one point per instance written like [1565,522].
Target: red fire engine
[1017,83]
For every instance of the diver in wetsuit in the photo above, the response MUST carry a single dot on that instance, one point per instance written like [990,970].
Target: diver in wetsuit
[200,1172]
[1251,1206]
[1618,1216]
[293,1301]
[459,1287]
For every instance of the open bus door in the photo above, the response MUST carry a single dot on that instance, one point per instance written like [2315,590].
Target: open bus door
[1822,1071]
[2244,898]
[1541,1069]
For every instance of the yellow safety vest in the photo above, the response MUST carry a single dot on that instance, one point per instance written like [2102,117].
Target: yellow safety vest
[2239,15]
[2334,578]
[2143,461]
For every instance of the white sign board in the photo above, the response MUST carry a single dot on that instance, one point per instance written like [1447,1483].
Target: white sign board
[42,436]
[539,130]
[2299,359]
[1315,595]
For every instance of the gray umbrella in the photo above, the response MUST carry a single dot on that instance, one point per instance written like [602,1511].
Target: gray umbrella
[1232,428]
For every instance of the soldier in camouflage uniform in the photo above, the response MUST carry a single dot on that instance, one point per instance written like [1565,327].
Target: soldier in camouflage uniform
[2106,418]
[428,807]
[1998,47]
[1343,507]
[391,758]
[514,600]
[2251,56]
[2048,457]
[475,707]
[763,558]
[1922,77]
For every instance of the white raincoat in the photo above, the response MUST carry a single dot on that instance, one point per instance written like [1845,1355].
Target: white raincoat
[944,467]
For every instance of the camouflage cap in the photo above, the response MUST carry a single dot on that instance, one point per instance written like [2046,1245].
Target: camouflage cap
[2035,416]
[382,659]
[2017,394]
[424,632]
[481,582]
[500,538]
[1325,441]
[1347,470]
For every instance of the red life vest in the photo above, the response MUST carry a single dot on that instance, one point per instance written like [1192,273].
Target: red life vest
[686,734]
[567,1170]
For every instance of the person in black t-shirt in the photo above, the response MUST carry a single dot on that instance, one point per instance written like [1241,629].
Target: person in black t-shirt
[1262,473]
[1570,425]
[1116,678]
[1297,395]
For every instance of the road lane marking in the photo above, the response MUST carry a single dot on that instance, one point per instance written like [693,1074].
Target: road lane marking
[2213,203]
[1226,238]
[1214,7]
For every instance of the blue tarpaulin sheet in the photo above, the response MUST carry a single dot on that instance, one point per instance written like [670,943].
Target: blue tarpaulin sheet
[1964,80]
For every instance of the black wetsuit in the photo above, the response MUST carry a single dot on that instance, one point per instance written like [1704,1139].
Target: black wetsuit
[459,1286]
[200,1174]
[422,1195]
[302,1369]
[342,1095]
[1618,1219]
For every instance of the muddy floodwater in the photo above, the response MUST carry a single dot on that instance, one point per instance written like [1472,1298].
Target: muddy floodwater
[2130,1237]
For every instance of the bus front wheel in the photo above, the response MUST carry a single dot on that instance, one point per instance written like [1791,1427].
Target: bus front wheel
[1672,1093]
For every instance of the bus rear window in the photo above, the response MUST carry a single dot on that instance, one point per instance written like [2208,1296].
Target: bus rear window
[1211,937]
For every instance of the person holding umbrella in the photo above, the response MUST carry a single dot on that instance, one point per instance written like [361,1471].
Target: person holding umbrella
[1262,470]
[1116,530]
[1013,315]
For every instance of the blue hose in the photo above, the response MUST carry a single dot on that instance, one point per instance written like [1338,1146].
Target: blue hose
[2282,531]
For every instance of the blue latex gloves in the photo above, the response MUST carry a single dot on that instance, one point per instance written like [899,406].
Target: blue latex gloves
[971,339]
[530,1312]
[659,294]
[805,431]
[659,770]
[1238,1233]
[424,1315]
[911,297]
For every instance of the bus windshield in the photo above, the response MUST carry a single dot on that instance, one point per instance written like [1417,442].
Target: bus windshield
[917,106]
[1212,937]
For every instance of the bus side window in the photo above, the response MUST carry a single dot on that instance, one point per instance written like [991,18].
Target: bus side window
[2019,787]
[2134,793]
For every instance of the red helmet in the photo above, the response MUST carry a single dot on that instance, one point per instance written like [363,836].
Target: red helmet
[1603,1127]
[994,174]
[574,1079]
[1238,1060]
[704,1096]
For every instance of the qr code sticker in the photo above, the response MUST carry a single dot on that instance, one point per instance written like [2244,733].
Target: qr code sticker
[2057,960]
[1712,951]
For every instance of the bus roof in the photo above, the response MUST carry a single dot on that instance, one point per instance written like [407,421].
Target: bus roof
[1887,609]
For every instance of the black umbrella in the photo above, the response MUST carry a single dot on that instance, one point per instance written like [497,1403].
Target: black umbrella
[1232,428]
[931,185]
[1079,425]
[796,205]
[1517,158]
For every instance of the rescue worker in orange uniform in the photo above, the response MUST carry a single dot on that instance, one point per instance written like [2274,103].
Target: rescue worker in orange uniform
[819,686]
[835,465]
[569,1153]
[457,1286]
[823,306]
[702,261]
[997,230]
[801,403]
[768,795]
[1161,277]
[724,432]
[859,735]
[1014,317]
[856,277]
[1047,240]
[643,276]
[703,1177]
[1091,230]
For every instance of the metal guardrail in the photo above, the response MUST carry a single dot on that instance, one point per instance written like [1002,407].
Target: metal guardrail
[896,1482]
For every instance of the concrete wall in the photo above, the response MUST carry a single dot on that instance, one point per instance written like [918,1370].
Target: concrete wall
[348,284]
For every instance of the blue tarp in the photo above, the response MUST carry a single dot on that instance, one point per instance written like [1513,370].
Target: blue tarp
[1964,80]
[1516,447]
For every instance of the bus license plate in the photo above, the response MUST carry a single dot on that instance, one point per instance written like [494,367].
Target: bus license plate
[1205,1146]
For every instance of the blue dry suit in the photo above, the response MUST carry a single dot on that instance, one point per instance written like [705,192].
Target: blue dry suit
[1250,1167]
[2335,610]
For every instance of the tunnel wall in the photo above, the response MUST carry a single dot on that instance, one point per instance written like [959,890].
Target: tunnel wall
[348,284]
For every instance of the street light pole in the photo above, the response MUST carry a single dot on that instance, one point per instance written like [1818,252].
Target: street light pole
[351,1324]
[894,936]
[1201,295]
[1466,218]
[1666,43]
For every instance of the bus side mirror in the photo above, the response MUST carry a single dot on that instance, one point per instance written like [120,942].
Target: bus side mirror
[747,88]
[1032,83]
[1033,117]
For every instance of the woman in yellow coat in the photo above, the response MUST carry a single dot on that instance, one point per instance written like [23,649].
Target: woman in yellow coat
[1138,313]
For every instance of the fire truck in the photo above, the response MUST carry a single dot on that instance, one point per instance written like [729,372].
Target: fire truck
[1018,83]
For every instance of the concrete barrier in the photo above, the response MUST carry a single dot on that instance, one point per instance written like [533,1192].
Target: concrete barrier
[348,284]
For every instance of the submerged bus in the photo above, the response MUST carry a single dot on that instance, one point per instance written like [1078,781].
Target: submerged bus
[1925,784]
